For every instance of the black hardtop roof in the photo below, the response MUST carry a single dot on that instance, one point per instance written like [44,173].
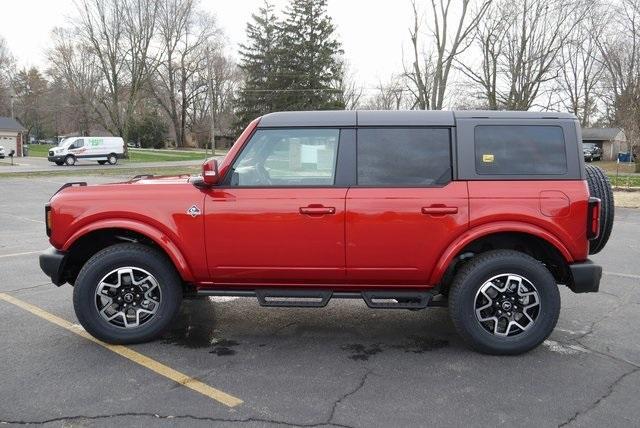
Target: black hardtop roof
[394,117]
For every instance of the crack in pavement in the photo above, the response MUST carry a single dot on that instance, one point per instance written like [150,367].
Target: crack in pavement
[27,288]
[596,403]
[360,385]
[169,417]
[328,423]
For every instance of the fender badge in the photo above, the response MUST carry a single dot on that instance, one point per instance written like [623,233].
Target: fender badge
[194,211]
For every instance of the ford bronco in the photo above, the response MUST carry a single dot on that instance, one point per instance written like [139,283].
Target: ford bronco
[488,213]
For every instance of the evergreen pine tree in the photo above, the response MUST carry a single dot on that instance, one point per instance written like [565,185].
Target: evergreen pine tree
[258,63]
[309,69]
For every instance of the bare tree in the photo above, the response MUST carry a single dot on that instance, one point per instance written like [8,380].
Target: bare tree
[430,72]
[348,88]
[180,75]
[489,38]
[390,95]
[225,80]
[119,35]
[73,70]
[539,30]
[7,64]
[621,54]
[581,67]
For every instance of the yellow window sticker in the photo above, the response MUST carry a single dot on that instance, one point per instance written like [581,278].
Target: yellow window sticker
[487,158]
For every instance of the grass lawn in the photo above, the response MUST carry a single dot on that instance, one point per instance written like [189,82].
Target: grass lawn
[625,180]
[39,150]
[611,167]
[136,155]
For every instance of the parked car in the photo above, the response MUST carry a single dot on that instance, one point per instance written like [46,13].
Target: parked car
[488,213]
[592,152]
[101,149]
[2,155]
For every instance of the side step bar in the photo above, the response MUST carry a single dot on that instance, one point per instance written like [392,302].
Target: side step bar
[293,298]
[318,298]
[396,299]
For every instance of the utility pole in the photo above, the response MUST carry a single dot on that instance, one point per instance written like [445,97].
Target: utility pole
[212,101]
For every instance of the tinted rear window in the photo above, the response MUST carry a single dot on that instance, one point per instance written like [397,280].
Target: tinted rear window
[520,150]
[403,157]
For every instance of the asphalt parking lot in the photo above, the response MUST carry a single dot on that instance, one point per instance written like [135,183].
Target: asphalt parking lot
[344,365]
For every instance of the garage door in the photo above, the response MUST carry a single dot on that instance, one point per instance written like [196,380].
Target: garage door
[9,143]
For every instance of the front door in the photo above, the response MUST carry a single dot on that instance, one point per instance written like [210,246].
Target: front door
[405,208]
[278,217]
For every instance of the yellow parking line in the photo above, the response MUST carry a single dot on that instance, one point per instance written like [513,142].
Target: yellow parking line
[130,354]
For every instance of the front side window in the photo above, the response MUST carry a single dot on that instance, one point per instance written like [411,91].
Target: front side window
[77,144]
[404,157]
[520,150]
[288,157]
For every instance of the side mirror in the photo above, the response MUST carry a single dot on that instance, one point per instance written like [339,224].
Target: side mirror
[210,173]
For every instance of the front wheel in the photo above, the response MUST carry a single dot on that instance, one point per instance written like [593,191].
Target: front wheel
[70,160]
[127,293]
[504,302]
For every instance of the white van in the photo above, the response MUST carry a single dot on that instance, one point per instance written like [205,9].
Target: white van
[101,149]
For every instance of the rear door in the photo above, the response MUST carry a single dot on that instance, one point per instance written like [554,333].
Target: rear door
[280,216]
[405,208]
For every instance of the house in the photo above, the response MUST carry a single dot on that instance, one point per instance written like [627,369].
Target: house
[610,140]
[12,134]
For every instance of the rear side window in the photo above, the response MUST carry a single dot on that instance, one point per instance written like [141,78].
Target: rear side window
[520,150]
[404,157]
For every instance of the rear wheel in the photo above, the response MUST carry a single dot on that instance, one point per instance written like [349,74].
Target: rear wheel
[112,159]
[70,160]
[504,302]
[127,293]
[600,187]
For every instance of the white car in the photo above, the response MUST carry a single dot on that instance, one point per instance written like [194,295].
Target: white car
[2,152]
[101,149]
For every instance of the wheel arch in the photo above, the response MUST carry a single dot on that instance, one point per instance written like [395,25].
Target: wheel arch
[527,238]
[90,239]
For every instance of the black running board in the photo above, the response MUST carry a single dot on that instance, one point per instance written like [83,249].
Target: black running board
[293,298]
[397,299]
[319,298]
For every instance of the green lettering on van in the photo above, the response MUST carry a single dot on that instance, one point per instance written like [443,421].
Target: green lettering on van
[95,142]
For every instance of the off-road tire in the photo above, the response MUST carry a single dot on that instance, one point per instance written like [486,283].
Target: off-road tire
[127,255]
[600,187]
[471,277]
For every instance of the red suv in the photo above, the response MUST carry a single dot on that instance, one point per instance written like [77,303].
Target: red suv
[486,212]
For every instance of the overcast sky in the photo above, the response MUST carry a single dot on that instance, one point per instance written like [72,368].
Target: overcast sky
[373,32]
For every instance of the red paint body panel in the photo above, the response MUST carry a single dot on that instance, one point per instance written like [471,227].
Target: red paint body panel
[156,208]
[523,201]
[255,235]
[390,240]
